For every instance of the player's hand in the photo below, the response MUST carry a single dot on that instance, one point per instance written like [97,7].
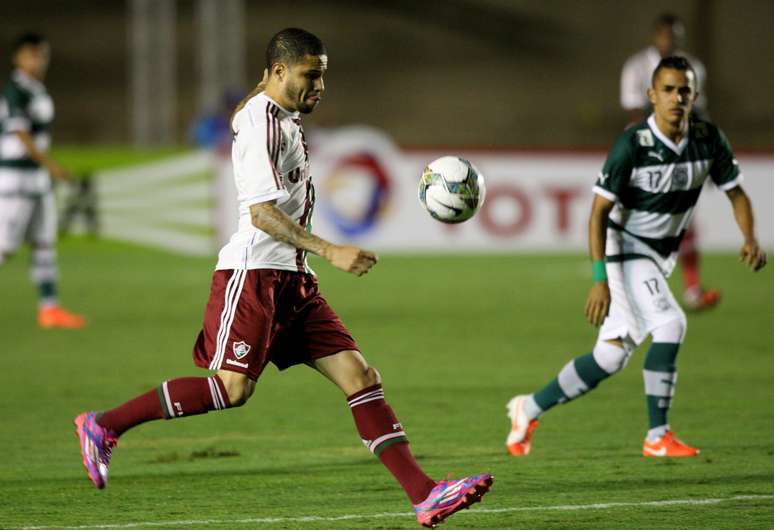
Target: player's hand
[350,259]
[752,255]
[598,303]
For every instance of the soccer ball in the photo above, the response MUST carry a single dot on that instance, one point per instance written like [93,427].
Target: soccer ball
[451,189]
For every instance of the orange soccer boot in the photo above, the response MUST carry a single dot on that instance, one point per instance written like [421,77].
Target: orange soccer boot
[58,317]
[698,299]
[519,440]
[667,446]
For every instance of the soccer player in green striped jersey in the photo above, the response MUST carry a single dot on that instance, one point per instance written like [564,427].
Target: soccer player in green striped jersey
[27,209]
[644,199]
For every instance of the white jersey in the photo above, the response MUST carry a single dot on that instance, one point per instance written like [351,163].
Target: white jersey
[271,163]
[638,71]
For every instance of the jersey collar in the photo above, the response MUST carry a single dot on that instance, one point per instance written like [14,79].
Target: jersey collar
[283,109]
[677,148]
[28,82]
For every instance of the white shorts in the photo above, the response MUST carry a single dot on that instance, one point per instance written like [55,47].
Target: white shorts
[640,301]
[27,208]
[31,218]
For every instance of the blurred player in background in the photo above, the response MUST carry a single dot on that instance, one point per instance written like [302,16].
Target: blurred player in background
[668,37]
[644,198]
[27,207]
[265,304]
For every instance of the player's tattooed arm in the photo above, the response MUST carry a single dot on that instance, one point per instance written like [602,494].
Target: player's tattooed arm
[270,219]
[751,254]
[598,300]
[53,167]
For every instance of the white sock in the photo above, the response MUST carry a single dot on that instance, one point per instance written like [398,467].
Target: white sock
[657,432]
[531,408]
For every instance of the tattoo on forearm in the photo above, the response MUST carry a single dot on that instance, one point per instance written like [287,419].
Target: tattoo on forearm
[282,228]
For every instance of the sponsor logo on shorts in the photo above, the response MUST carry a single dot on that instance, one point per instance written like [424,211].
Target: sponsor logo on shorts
[241,349]
[662,304]
[236,363]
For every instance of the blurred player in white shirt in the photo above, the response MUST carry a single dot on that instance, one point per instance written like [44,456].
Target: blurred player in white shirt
[27,206]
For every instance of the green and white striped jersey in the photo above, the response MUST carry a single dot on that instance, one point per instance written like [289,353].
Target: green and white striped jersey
[24,106]
[655,185]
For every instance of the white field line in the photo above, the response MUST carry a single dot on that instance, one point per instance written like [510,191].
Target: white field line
[396,515]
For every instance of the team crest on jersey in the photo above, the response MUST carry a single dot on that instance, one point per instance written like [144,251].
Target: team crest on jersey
[241,349]
[680,178]
[645,138]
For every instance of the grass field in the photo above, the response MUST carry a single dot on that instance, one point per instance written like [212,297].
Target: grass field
[454,339]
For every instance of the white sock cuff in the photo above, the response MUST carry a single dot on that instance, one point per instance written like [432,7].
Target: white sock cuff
[531,409]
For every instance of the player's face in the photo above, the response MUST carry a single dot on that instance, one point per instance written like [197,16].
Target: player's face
[672,95]
[303,84]
[668,38]
[33,60]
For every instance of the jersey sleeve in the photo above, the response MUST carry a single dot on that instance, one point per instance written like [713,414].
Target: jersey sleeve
[255,155]
[725,169]
[17,117]
[617,171]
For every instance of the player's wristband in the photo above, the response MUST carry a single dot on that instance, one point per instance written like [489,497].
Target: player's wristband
[598,272]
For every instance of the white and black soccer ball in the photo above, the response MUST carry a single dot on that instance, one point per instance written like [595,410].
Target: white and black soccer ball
[451,189]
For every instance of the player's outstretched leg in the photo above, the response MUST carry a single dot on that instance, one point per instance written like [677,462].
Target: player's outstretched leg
[98,432]
[577,377]
[660,377]
[383,435]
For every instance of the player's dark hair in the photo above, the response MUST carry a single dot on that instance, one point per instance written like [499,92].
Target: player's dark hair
[675,63]
[290,46]
[667,20]
[29,38]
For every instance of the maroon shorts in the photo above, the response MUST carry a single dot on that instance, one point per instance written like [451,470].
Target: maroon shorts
[259,315]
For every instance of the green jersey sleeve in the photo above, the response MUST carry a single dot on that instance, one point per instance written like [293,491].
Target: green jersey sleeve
[725,169]
[617,170]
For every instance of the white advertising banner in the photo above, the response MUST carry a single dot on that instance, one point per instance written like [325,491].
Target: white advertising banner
[539,201]
[367,195]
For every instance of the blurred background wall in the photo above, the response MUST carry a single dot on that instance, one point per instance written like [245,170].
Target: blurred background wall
[484,73]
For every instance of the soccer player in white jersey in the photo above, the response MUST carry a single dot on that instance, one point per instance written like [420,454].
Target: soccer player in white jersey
[643,201]
[667,39]
[27,208]
[265,304]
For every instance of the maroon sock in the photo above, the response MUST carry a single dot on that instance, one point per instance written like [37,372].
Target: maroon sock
[689,260]
[185,396]
[383,435]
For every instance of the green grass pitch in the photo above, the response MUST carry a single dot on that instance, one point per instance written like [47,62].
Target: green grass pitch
[454,339]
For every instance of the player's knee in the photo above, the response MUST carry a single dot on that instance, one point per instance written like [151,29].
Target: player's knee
[612,357]
[238,387]
[672,332]
[369,376]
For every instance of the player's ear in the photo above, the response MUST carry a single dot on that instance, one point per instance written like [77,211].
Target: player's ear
[652,96]
[279,70]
